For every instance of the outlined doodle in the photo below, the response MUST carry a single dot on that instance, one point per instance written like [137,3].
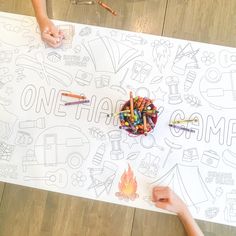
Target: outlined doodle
[99,154]
[6,151]
[133,156]
[54,57]
[102,178]
[159,94]
[210,158]
[219,178]
[102,81]
[161,53]
[58,145]
[192,100]
[133,39]
[19,74]
[8,171]
[74,60]
[5,76]
[211,212]
[230,205]
[39,123]
[190,155]
[85,31]
[140,91]
[229,158]
[115,54]
[189,80]
[208,58]
[219,89]
[140,71]
[7,122]
[227,58]
[127,186]
[97,133]
[78,179]
[174,95]
[130,141]
[156,79]
[40,59]
[177,179]
[218,193]
[171,146]
[149,165]
[12,30]
[59,75]
[7,55]
[29,159]
[57,178]
[115,137]
[83,78]
[185,59]
[149,142]
[23,138]
[119,87]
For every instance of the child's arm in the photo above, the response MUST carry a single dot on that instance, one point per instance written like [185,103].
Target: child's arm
[49,33]
[165,198]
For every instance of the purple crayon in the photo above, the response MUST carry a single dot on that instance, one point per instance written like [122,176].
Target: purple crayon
[77,102]
[182,128]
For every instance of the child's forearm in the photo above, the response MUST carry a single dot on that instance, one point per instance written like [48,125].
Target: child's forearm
[190,225]
[39,8]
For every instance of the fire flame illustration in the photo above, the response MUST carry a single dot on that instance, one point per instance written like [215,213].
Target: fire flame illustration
[127,186]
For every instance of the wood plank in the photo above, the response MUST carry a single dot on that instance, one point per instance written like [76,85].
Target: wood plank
[36,212]
[206,21]
[2,185]
[139,16]
[65,215]
[21,210]
[18,7]
[153,223]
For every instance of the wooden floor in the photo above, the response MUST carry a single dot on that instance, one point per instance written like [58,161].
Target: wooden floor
[25,211]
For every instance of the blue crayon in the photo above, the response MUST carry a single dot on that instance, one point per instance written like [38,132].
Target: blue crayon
[122,116]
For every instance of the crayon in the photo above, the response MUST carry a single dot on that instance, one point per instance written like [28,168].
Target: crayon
[145,124]
[131,107]
[184,121]
[117,113]
[73,95]
[182,128]
[77,102]
[105,6]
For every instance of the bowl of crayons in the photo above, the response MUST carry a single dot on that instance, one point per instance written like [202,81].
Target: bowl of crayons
[138,116]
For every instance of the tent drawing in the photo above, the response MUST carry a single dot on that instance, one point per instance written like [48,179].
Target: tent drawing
[188,183]
[109,55]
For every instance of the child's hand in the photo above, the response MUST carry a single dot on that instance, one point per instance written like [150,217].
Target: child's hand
[165,198]
[49,33]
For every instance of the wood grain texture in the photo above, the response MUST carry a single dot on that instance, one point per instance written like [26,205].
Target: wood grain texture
[35,212]
[147,223]
[2,185]
[211,21]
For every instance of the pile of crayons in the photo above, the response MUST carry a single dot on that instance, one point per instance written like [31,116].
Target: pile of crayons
[138,115]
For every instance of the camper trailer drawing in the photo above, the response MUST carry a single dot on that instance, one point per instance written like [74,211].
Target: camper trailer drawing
[58,145]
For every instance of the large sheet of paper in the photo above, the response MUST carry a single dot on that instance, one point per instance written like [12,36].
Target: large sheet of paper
[79,150]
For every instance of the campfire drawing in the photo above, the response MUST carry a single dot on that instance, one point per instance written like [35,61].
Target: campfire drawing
[127,186]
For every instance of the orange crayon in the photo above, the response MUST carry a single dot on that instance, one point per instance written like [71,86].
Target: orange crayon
[131,107]
[73,95]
